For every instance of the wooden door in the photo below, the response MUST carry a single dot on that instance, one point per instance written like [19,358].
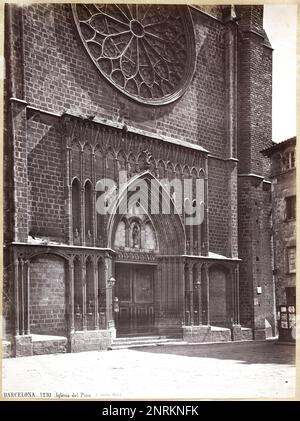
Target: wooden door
[134,289]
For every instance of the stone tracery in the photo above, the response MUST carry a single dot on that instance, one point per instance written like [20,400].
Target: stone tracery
[146,51]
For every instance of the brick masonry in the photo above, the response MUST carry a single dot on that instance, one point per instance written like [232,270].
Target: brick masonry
[48,296]
[46,174]
[58,76]
[254,196]
[218,205]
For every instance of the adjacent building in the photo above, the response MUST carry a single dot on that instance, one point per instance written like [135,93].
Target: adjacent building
[283,176]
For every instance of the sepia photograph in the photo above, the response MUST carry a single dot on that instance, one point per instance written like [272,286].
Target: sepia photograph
[149,203]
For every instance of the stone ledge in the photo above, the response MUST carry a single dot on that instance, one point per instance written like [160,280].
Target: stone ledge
[203,333]
[90,340]
[197,333]
[23,346]
[247,334]
[49,344]
[6,349]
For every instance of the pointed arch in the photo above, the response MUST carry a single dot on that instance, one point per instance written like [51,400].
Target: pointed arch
[76,210]
[99,162]
[110,164]
[201,173]
[150,238]
[170,171]
[131,164]
[161,169]
[186,172]
[121,160]
[88,212]
[194,175]
[76,158]
[178,171]
[119,241]
[152,165]
[140,159]
[87,160]
[169,228]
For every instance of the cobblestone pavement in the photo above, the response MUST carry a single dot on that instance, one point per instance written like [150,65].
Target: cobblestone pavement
[240,370]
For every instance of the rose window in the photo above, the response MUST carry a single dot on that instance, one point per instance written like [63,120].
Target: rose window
[146,51]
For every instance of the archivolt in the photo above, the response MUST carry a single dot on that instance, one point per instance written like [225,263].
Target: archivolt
[169,228]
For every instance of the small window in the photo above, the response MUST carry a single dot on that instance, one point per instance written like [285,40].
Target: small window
[292,159]
[290,207]
[291,260]
[290,293]
[288,160]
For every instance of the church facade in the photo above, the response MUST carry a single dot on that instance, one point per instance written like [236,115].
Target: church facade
[122,107]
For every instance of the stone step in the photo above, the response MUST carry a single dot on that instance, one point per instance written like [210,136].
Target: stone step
[138,338]
[142,342]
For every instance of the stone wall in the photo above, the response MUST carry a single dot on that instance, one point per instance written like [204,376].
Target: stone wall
[48,295]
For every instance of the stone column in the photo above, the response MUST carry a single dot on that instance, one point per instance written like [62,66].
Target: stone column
[231,128]
[69,190]
[237,286]
[96,288]
[191,231]
[23,340]
[83,277]
[205,224]
[230,38]
[199,295]
[199,238]
[191,293]
[16,296]
[181,289]
[82,213]
[94,212]
[236,330]
[206,293]
[95,219]
[22,299]
[27,276]
[71,295]
[109,292]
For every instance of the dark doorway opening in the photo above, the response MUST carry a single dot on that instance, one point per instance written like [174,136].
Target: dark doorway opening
[135,293]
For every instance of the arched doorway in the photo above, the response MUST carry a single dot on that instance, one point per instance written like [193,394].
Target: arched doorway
[146,284]
[135,281]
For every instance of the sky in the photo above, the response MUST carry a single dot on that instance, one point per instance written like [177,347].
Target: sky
[280,23]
